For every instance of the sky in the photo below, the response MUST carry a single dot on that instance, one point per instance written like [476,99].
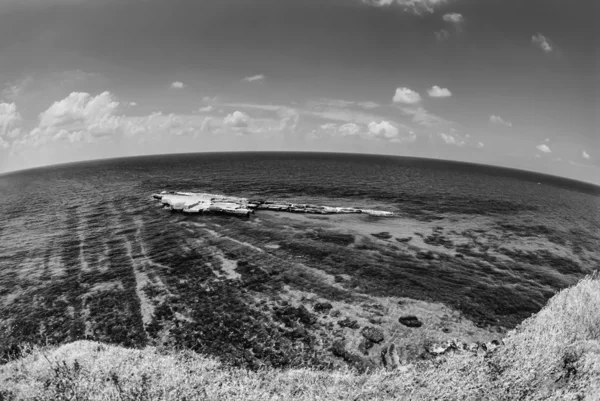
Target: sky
[513,83]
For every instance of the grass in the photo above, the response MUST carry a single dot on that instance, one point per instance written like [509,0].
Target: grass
[554,355]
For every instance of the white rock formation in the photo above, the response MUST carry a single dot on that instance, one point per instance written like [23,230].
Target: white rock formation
[191,202]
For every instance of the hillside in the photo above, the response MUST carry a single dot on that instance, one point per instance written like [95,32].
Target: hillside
[554,355]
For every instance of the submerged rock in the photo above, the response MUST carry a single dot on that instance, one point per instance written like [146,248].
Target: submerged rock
[351,324]
[372,334]
[410,321]
[323,307]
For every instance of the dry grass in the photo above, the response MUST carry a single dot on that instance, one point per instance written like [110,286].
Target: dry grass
[554,355]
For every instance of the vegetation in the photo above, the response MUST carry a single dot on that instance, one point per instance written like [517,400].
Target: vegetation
[554,355]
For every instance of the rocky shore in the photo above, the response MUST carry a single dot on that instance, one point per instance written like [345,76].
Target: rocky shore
[192,202]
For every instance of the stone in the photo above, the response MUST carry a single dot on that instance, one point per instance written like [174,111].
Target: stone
[390,358]
[323,307]
[347,322]
[410,321]
[372,334]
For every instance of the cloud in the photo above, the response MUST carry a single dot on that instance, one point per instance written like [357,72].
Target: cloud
[454,18]
[406,96]
[441,35]
[383,129]
[9,119]
[15,89]
[415,6]
[499,121]
[254,78]
[436,91]
[480,145]
[543,148]
[347,103]
[368,105]
[76,118]
[585,155]
[237,119]
[349,129]
[423,117]
[542,42]
[451,140]
[206,109]
[79,107]
[177,85]
[133,104]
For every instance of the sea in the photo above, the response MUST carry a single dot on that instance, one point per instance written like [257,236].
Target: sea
[58,221]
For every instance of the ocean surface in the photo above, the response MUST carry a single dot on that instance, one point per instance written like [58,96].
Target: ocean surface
[59,223]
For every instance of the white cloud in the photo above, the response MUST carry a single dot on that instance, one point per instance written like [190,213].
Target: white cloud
[436,91]
[585,155]
[133,104]
[79,117]
[415,6]
[349,129]
[368,105]
[454,18]
[425,118]
[499,121]
[206,109]
[480,145]
[254,78]
[450,140]
[406,96]
[383,129]
[79,107]
[9,119]
[237,119]
[441,35]
[543,148]
[16,89]
[542,42]
[177,85]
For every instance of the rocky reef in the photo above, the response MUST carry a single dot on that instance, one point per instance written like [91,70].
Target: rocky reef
[193,202]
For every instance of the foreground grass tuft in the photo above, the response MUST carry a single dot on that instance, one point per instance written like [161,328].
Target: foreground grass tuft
[555,355]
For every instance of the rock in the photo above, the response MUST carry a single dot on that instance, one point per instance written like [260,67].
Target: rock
[390,358]
[383,235]
[339,349]
[437,349]
[372,334]
[335,313]
[482,350]
[406,239]
[364,346]
[410,321]
[289,315]
[323,307]
[351,324]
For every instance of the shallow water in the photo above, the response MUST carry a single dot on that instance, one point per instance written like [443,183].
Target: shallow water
[82,239]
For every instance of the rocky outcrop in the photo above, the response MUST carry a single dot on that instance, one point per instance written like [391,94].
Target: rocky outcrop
[193,202]
[410,321]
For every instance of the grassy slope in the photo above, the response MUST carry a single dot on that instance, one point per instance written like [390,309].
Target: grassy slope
[555,355]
